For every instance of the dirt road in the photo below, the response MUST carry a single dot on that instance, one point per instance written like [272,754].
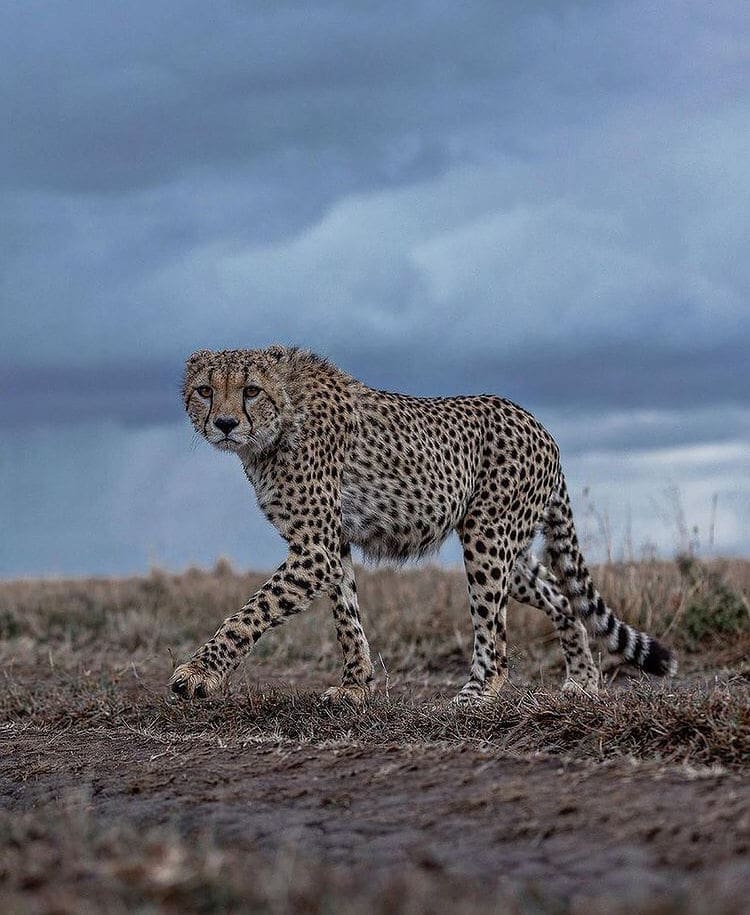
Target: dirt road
[627,830]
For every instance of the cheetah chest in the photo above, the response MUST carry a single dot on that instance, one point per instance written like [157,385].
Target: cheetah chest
[267,494]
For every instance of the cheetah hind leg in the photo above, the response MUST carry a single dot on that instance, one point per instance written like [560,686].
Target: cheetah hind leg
[488,575]
[534,584]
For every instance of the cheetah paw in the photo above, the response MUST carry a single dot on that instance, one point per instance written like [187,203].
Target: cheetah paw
[588,688]
[474,694]
[193,680]
[345,695]
[472,700]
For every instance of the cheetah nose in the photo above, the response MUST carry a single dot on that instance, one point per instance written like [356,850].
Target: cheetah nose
[225,424]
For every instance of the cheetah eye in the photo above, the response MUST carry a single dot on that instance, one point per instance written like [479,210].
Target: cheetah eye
[251,392]
[204,390]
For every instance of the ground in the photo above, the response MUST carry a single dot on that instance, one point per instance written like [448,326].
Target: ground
[119,797]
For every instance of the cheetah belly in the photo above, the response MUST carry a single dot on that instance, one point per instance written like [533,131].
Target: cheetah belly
[386,524]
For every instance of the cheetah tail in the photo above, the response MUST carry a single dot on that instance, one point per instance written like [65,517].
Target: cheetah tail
[574,578]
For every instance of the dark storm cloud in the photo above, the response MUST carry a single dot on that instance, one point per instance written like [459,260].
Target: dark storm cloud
[120,97]
[589,402]
[544,199]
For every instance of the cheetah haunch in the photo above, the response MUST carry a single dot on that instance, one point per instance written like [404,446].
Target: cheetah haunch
[335,463]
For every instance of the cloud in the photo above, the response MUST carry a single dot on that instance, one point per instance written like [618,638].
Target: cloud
[663,497]
[467,271]
[580,156]
[545,200]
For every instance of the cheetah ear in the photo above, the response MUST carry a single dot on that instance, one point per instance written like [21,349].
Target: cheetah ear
[279,353]
[197,358]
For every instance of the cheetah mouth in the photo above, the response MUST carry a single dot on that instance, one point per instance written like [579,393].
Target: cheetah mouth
[226,443]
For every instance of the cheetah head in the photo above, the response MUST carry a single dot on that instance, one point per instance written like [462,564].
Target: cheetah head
[236,399]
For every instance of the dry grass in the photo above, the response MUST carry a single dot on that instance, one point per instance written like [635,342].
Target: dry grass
[680,725]
[414,616]
[104,648]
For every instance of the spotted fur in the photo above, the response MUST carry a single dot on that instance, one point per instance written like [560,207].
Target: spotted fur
[336,463]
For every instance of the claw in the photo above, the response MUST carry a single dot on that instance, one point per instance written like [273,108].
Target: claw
[192,680]
[179,687]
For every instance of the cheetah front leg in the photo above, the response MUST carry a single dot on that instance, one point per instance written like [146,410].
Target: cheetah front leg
[312,567]
[357,677]
[291,589]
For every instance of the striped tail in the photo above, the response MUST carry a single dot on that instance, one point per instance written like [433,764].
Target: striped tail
[572,574]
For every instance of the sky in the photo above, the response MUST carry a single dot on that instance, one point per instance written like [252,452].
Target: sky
[545,200]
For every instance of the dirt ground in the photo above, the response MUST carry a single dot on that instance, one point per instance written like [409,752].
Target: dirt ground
[117,797]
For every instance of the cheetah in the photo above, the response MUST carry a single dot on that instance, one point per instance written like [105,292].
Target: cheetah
[337,464]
